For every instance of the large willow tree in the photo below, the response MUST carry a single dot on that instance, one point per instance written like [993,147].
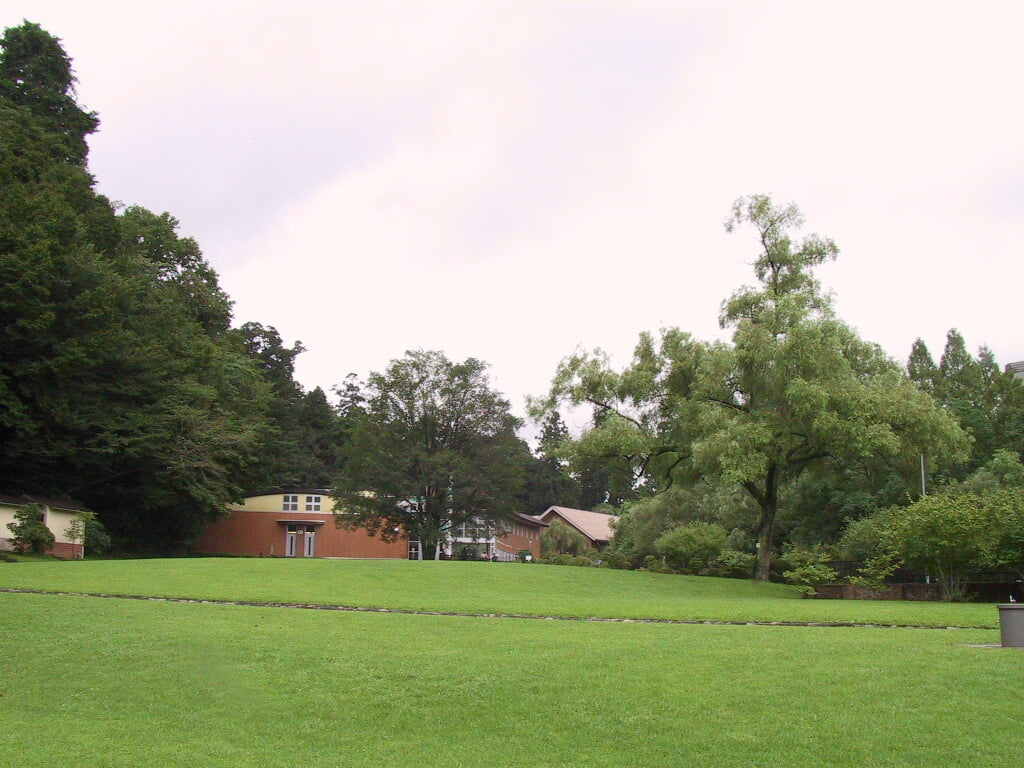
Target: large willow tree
[796,390]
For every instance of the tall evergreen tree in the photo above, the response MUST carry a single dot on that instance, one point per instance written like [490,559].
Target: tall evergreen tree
[921,367]
[547,480]
[118,384]
[986,400]
[36,75]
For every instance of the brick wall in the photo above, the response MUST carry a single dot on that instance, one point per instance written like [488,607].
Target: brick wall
[260,533]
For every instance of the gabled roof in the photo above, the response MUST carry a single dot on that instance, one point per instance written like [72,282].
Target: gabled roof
[64,505]
[596,526]
[530,520]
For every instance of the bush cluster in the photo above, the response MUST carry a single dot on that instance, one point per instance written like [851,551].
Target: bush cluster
[590,559]
[28,531]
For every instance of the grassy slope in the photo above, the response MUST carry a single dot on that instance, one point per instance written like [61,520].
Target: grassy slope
[118,683]
[477,588]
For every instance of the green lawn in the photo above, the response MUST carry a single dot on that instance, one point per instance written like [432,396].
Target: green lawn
[506,588]
[111,682]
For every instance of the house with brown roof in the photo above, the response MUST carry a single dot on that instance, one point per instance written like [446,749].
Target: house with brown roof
[300,523]
[595,526]
[60,516]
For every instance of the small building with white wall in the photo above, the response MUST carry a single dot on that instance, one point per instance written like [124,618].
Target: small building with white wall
[61,517]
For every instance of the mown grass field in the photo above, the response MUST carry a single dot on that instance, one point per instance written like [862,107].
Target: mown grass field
[112,682]
[480,588]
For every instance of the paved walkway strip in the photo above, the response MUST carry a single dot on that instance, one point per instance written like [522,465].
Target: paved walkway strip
[413,612]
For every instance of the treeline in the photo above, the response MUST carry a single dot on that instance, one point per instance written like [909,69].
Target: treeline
[123,385]
[799,443]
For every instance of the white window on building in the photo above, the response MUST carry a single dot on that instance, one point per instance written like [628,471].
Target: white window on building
[290,503]
[312,503]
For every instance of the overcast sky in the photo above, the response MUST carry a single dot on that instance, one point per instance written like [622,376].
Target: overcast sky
[511,180]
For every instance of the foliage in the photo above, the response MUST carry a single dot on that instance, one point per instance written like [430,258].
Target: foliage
[302,436]
[434,447]
[796,392]
[612,559]
[97,540]
[547,480]
[643,520]
[809,567]
[29,532]
[76,528]
[875,571]
[948,535]
[566,558]
[733,564]
[36,76]
[986,401]
[862,539]
[1003,470]
[88,530]
[692,548]
[654,565]
[560,539]
[119,384]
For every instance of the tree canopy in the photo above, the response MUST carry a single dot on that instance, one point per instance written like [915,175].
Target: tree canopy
[797,391]
[120,385]
[36,75]
[433,447]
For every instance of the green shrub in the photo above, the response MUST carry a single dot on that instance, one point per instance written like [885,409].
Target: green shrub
[733,564]
[654,565]
[807,566]
[949,534]
[692,548]
[29,532]
[875,570]
[559,539]
[567,559]
[811,574]
[87,529]
[616,560]
[97,540]
[862,539]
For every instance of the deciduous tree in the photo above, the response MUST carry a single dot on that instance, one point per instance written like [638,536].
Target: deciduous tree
[434,446]
[796,390]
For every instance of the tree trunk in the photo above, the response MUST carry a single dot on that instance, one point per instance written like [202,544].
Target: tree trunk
[769,505]
[763,565]
[768,501]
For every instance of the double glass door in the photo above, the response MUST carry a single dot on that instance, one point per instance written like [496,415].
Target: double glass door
[295,533]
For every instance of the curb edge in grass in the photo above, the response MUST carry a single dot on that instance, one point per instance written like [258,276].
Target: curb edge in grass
[466,614]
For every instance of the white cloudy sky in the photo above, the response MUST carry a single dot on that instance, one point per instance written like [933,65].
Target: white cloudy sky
[508,180]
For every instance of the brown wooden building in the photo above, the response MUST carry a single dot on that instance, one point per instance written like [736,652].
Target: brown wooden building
[595,526]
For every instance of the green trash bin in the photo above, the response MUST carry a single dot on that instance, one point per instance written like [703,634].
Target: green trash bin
[1011,625]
